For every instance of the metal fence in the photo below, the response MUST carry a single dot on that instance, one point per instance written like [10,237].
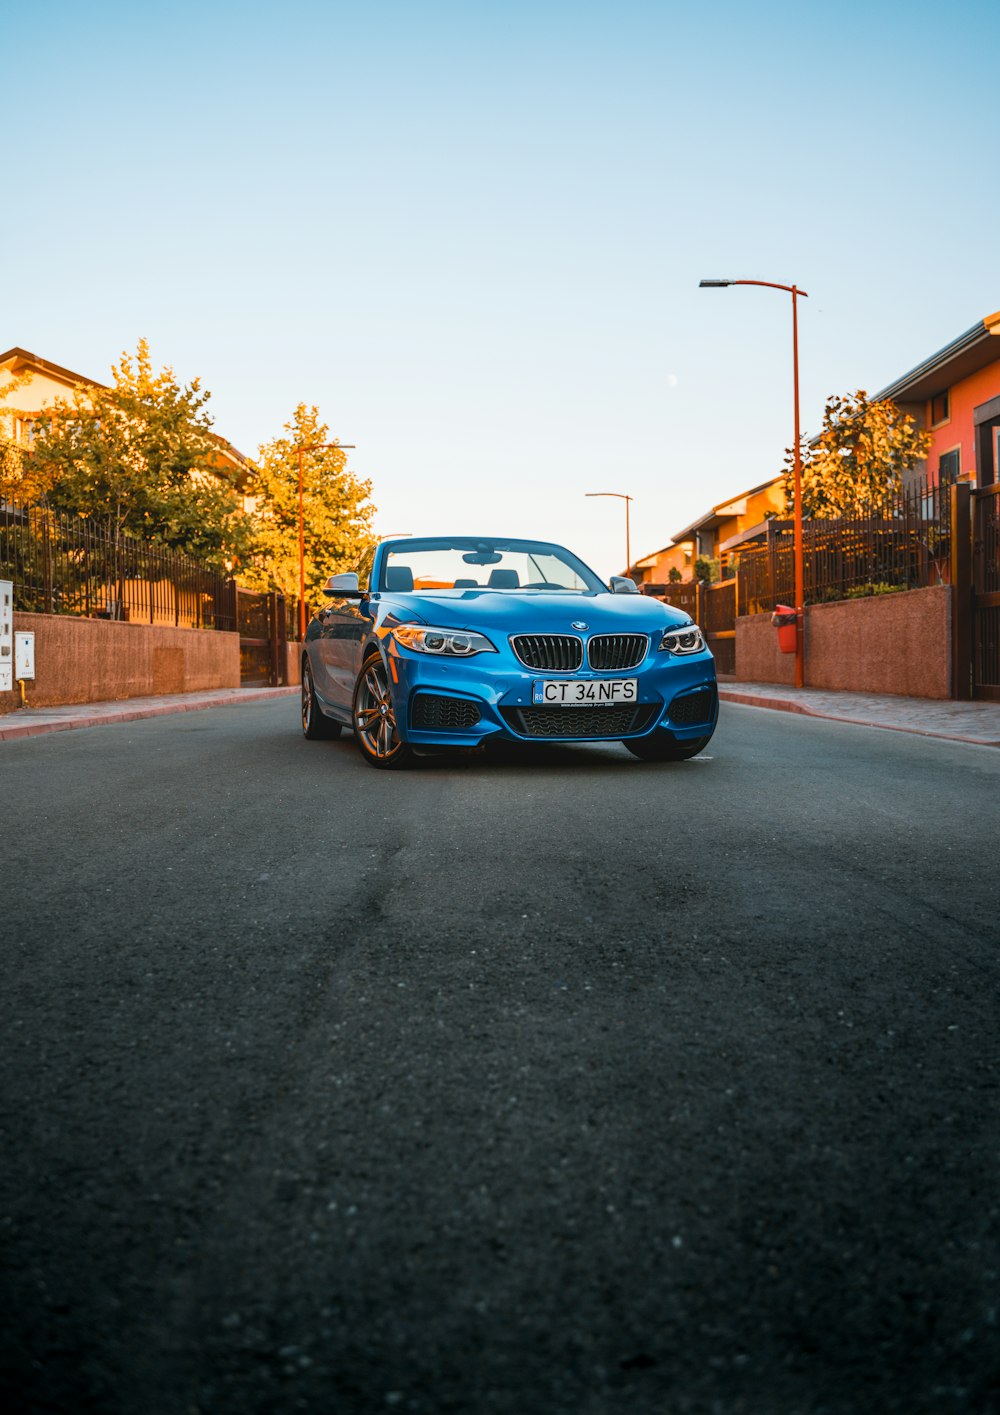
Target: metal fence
[683,595]
[986,593]
[901,542]
[64,564]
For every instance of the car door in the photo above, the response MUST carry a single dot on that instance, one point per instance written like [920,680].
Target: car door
[343,627]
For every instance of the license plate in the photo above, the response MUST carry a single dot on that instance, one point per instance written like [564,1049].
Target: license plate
[584,692]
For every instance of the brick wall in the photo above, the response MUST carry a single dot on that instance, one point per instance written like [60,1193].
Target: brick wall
[94,660]
[895,643]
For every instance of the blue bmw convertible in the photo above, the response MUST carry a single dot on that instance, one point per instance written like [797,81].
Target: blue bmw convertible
[461,641]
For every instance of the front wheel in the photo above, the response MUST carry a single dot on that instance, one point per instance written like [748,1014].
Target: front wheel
[650,749]
[316,726]
[374,718]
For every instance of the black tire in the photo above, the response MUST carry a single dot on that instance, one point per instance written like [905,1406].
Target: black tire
[373,714]
[661,748]
[316,726]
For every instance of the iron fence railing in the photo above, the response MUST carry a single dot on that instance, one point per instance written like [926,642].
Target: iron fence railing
[64,564]
[986,592]
[901,542]
[682,596]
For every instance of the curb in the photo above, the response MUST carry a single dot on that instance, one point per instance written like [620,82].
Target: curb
[786,705]
[135,714]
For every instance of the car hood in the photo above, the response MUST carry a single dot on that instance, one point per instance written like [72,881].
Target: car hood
[535,612]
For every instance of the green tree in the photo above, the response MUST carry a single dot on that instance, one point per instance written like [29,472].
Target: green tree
[337,510]
[860,456]
[675,575]
[140,458]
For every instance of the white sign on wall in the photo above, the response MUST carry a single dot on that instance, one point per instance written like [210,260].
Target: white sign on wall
[24,654]
[6,636]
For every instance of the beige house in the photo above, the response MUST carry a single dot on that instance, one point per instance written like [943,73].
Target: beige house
[46,383]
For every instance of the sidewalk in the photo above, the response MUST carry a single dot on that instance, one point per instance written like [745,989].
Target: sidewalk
[32,722]
[957,722]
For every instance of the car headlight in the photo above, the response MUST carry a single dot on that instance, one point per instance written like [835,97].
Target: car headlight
[687,639]
[453,643]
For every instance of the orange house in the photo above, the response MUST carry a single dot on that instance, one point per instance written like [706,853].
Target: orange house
[955,395]
[732,523]
[713,535]
[655,569]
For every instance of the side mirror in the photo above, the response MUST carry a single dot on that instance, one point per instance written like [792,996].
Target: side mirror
[343,587]
[621,584]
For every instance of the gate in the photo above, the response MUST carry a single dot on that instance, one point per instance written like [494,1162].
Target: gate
[262,621]
[714,608]
[717,617]
[986,593]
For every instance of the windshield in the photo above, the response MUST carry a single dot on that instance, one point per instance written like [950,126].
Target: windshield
[470,564]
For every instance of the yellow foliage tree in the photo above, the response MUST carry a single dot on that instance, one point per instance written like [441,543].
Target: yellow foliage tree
[337,510]
[858,459]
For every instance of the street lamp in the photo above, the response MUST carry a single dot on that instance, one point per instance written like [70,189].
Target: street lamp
[628,544]
[795,292]
[317,447]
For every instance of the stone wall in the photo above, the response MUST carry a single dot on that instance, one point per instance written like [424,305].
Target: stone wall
[95,660]
[895,643]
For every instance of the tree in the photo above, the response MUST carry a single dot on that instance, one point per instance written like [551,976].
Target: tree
[337,510]
[860,456]
[675,575]
[140,458]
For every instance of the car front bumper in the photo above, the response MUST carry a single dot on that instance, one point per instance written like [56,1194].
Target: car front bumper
[453,702]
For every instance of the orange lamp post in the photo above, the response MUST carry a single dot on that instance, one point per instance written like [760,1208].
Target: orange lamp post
[795,292]
[628,542]
[317,447]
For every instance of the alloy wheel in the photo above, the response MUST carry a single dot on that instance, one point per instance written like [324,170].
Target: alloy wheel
[308,706]
[375,717]
[316,726]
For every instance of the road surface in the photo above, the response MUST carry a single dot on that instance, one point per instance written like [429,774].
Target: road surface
[575,1085]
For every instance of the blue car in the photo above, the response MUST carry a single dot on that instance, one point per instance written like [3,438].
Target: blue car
[461,641]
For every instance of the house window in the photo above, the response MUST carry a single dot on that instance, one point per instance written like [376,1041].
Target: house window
[940,408]
[949,466]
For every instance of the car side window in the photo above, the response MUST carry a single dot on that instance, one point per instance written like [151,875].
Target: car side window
[365,569]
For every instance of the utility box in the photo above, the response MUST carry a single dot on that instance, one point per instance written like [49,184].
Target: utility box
[24,654]
[6,636]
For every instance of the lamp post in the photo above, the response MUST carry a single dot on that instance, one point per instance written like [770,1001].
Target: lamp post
[795,292]
[317,447]
[628,544]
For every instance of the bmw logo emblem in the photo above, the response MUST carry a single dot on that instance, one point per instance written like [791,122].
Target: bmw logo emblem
[578,624]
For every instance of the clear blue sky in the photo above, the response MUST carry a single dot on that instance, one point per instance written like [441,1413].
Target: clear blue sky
[473,232]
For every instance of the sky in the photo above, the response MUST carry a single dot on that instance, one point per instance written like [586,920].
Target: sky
[472,233]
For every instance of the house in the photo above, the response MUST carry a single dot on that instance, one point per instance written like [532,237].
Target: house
[656,568]
[710,536]
[729,524]
[48,383]
[955,395]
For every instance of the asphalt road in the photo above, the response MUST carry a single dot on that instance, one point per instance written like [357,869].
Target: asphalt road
[571,1085]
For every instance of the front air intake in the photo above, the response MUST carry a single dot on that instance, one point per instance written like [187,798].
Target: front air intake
[434,712]
[580,722]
